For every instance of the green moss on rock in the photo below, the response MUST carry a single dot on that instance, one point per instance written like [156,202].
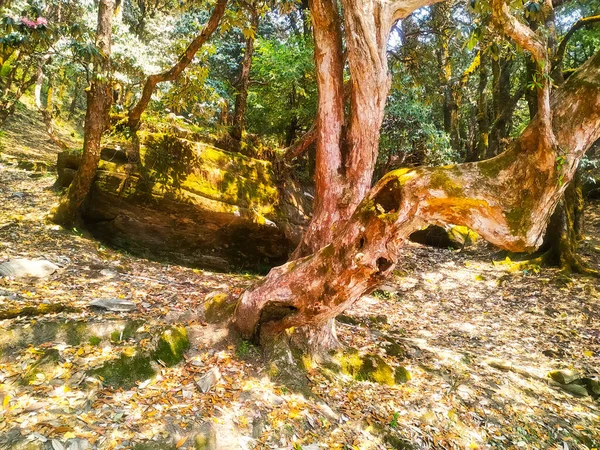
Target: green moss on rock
[219,307]
[401,375]
[369,367]
[172,344]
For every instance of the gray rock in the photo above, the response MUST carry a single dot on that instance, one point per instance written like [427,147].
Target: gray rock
[21,267]
[114,304]
[209,379]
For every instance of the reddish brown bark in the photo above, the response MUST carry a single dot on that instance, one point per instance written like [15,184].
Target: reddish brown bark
[185,59]
[508,200]
[99,99]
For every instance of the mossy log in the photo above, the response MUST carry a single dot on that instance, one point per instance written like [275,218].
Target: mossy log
[507,200]
[192,202]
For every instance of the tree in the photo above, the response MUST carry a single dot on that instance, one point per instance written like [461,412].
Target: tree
[352,245]
[135,113]
[99,99]
[241,96]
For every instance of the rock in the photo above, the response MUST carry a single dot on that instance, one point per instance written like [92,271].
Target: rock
[564,376]
[192,203]
[20,267]
[209,379]
[368,367]
[114,304]
[107,273]
[171,346]
[218,307]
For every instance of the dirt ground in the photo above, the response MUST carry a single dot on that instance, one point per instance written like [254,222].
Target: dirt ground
[475,336]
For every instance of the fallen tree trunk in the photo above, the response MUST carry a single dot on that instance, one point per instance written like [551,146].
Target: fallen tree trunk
[508,200]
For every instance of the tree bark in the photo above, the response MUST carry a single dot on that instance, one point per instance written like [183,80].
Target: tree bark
[99,99]
[241,97]
[329,60]
[185,59]
[508,200]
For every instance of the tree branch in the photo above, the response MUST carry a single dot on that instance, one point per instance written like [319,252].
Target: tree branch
[184,60]
[537,46]
[562,48]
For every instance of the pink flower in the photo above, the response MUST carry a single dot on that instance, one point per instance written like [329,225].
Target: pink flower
[28,23]
[40,21]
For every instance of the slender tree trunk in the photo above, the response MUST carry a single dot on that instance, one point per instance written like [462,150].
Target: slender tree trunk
[565,231]
[483,122]
[99,98]
[47,111]
[501,71]
[241,98]
[484,196]
[450,103]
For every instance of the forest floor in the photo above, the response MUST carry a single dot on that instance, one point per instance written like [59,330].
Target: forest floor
[478,339]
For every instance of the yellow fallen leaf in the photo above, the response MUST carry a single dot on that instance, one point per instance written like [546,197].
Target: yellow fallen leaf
[6,400]
[181,441]
[588,353]
[69,435]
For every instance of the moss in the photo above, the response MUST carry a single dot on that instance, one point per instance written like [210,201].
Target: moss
[369,367]
[219,307]
[127,332]
[519,219]
[491,168]
[125,371]
[36,310]
[172,344]
[95,340]
[401,375]
[441,180]
[44,365]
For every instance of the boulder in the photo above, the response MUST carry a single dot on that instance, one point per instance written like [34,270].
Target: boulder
[21,267]
[193,203]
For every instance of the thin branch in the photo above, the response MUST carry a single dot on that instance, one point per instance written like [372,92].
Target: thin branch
[562,48]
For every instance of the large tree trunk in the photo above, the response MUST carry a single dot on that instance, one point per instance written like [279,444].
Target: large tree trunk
[508,200]
[346,155]
[241,97]
[99,99]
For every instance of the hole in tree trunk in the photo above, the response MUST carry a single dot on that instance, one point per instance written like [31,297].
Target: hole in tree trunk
[383,264]
[273,312]
[361,243]
[389,196]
